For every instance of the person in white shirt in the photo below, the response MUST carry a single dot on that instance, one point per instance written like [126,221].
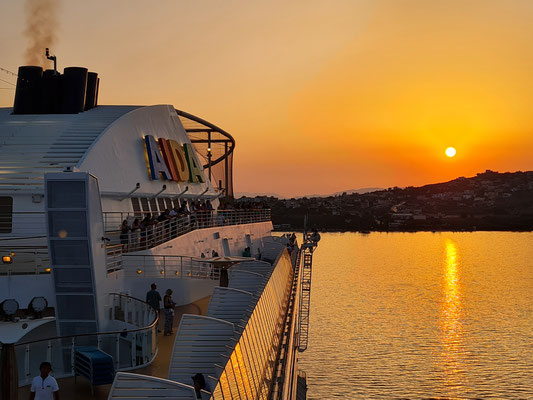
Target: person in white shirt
[44,386]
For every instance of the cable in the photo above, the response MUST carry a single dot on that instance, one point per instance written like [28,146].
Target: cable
[8,71]
[7,82]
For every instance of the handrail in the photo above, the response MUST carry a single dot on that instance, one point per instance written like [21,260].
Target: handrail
[154,322]
[163,266]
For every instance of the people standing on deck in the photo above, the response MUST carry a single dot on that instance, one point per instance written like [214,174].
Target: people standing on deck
[44,386]
[169,311]
[153,298]
[173,220]
[145,231]
[247,252]
[209,212]
[163,227]
[135,231]
[289,248]
[214,254]
[315,237]
[124,234]
[199,385]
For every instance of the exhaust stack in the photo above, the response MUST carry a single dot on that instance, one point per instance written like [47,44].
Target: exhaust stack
[49,92]
[53,58]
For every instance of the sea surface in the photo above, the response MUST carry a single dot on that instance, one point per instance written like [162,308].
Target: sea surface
[421,316]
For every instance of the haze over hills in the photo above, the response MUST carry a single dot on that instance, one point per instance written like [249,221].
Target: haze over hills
[351,191]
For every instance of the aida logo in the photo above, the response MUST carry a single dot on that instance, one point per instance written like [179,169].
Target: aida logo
[168,160]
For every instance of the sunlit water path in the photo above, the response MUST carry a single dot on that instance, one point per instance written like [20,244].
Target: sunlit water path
[421,315]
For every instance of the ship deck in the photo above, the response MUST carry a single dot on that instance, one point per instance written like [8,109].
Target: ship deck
[81,390]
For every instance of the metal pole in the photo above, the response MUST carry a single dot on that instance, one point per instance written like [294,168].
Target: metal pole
[209,153]
[9,373]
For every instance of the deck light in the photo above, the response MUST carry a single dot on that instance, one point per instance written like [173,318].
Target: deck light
[161,191]
[10,307]
[177,273]
[139,271]
[37,306]
[137,187]
[162,272]
[47,270]
[7,259]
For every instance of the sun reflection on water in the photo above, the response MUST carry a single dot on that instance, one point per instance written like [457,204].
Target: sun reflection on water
[450,324]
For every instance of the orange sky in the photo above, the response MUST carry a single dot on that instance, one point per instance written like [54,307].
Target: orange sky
[321,96]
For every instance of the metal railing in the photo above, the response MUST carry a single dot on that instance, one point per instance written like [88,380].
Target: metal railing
[153,266]
[161,229]
[132,343]
[155,232]
[24,260]
[22,223]
[35,259]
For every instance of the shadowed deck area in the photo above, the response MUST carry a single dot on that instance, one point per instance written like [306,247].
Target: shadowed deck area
[81,390]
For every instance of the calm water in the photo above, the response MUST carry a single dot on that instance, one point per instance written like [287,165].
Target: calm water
[421,315]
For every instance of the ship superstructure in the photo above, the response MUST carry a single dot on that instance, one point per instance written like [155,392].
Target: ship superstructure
[99,202]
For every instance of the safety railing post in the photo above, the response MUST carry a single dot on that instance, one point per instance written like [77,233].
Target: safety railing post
[112,307]
[117,350]
[126,312]
[73,356]
[49,351]
[133,348]
[27,372]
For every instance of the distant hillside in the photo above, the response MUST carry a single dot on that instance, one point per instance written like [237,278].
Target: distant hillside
[351,191]
[487,201]
[238,195]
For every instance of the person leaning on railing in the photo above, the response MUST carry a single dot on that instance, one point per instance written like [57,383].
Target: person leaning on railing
[124,234]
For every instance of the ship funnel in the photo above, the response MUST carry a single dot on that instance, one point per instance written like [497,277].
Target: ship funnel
[52,93]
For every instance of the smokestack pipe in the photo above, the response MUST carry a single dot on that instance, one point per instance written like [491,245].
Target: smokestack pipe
[53,58]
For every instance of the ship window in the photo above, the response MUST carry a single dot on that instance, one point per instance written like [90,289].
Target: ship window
[6,214]
[161,202]
[144,203]
[136,206]
[153,205]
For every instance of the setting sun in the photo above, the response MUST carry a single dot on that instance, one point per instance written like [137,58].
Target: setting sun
[450,152]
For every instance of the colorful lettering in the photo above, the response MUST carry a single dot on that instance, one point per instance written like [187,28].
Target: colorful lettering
[195,173]
[157,163]
[178,158]
[167,156]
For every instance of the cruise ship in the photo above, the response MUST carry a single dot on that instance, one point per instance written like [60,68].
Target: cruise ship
[97,203]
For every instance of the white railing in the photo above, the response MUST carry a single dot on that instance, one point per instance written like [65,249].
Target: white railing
[23,224]
[132,343]
[162,229]
[153,266]
[35,260]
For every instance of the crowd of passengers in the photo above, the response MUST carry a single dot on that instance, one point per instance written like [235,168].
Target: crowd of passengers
[143,233]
